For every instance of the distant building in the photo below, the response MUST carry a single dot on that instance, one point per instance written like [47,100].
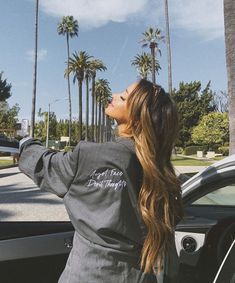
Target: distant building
[24,129]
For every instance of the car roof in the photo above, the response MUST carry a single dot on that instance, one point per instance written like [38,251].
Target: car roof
[226,164]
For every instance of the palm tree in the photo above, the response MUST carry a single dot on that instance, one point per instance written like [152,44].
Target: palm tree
[143,64]
[95,65]
[78,65]
[88,75]
[229,25]
[105,119]
[168,43]
[102,92]
[69,27]
[35,72]
[152,38]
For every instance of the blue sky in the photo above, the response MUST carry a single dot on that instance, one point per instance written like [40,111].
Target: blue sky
[109,30]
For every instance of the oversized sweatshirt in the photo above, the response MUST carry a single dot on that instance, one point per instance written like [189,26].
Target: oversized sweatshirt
[99,185]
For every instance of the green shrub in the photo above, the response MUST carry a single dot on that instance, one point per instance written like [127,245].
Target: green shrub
[190,150]
[68,148]
[224,150]
[179,150]
[5,154]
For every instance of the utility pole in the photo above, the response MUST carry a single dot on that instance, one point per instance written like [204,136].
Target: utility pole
[32,126]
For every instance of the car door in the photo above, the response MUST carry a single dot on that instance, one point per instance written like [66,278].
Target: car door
[34,251]
[35,232]
[226,272]
[204,235]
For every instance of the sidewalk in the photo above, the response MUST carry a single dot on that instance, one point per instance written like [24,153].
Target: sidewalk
[189,169]
[197,158]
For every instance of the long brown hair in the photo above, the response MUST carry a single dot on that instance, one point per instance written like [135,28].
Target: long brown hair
[153,124]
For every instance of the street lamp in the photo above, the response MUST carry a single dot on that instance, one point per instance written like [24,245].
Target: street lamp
[48,117]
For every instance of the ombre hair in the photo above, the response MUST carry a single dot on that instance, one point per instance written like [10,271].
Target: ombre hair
[153,125]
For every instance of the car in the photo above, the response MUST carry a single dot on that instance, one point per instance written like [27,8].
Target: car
[37,251]
[10,145]
[207,230]
[226,271]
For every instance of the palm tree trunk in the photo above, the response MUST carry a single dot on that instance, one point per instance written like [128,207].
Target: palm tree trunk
[229,24]
[168,47]
[152,48]
[80,109]
[107,128]
[35,73]
[99,123]
[93,108]
[96,118]
[87,106]
[69,92]
[103,125]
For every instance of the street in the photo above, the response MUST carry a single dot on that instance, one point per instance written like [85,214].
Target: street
[22,200]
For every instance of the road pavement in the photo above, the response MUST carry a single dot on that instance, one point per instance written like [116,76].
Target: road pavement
[22,200]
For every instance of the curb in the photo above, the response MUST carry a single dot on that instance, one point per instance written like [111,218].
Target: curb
[9,166]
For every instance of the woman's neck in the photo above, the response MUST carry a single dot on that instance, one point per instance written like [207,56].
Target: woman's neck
[122,130]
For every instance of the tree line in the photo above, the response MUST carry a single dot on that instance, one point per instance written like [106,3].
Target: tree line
[203,116]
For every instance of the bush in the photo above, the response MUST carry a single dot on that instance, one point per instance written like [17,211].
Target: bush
[224,150]
[68,148]
[5,154]
[190,150]
[179,150]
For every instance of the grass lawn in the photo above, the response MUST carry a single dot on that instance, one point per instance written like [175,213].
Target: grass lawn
[215,158]
[184,161]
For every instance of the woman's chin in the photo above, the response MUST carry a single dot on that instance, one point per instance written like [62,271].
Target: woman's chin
[107,112]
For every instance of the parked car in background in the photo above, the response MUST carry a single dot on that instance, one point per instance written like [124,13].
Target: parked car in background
[8,144]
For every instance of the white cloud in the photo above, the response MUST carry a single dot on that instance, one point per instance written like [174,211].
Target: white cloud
[205,17]
[94,13]
[42,53]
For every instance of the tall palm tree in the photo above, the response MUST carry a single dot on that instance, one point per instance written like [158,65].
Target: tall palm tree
[102,92]
[69,27]
[35,72]
[152,38]
[168,43]
[96,65]
[143,63]
[88,75]
[229,24]
[78,64]
[105,122]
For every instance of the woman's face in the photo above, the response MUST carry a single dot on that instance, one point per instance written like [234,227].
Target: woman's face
[117,108]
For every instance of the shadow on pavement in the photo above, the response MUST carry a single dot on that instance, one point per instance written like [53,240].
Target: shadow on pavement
[4,214]
[3,175]
[12,194]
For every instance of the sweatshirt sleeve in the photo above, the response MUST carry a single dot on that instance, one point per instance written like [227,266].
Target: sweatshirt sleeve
[51,171]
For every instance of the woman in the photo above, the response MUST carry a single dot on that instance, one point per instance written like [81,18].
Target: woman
[122,197]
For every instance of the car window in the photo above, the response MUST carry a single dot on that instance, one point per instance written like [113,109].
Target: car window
[221,196]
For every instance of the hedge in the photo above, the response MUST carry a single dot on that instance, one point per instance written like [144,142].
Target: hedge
[190,150]
[224,150]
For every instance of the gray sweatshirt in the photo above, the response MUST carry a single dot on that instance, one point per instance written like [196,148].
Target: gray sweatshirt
[99,184]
